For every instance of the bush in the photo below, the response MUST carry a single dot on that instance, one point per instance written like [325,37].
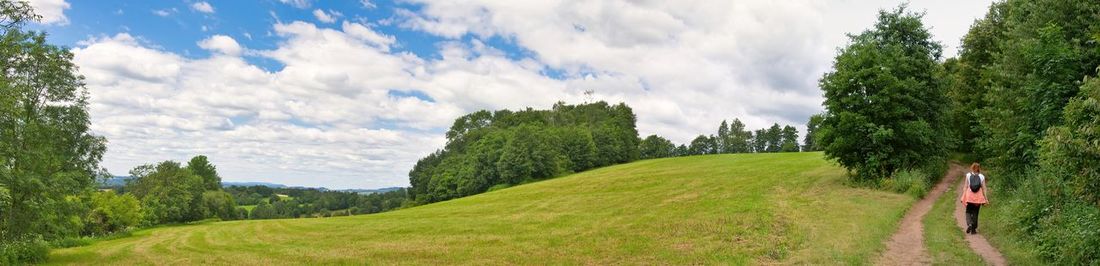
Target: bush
[111,212]
[1057,209]
[24,250]
[1061,227]
[913,183]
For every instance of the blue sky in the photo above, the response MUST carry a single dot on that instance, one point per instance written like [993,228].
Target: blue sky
[349,94]
[178,26]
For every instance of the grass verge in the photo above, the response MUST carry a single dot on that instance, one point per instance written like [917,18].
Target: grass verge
[945,240]
[994,225]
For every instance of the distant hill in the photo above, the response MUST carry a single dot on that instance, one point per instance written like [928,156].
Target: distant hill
[114,181]
[744,209]
[249,184]
[118,181]
[372,191]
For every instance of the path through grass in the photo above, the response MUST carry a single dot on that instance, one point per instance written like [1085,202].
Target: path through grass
[943,237]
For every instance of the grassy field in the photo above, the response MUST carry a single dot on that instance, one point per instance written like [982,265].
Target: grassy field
[944,239]
[727,209]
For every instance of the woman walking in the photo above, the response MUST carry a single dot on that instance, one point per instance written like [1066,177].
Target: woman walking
[974,196]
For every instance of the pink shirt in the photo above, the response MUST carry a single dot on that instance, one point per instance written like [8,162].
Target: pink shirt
[973,197]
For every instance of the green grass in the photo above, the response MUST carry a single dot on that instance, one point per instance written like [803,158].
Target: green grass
[993,225]
[723,209]
[945,240]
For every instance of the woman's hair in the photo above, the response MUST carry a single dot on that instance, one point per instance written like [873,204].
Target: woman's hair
[976,168]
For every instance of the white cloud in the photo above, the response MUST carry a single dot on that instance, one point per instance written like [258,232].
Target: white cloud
[335,113]
[328,17]
[221,44]
[367,4]
[203,6]
[296,3]
[317,121]
[52,11]
[364,33]
[164,12]
[684,66]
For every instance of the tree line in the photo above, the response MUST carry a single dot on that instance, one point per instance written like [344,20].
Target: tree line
[731,137]
[502,148]
[1020,97]
[271,203]
[487,150]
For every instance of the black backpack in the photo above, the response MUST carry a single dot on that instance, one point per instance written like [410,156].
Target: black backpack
[975,182]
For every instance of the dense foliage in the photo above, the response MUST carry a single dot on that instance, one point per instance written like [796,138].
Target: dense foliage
[168,193]
[110,212]
[655,146]
[48,156]
[1023,62]
[1023,103]
[884,100]
[312,202]
[486,149]
[1059,207]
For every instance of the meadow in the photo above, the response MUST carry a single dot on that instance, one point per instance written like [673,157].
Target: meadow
[787,208]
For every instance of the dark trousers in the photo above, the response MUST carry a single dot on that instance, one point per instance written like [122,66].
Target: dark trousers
[972,216]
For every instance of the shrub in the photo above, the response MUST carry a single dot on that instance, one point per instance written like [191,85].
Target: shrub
[912,183]
[111,212]
[1062,227]
[24,250]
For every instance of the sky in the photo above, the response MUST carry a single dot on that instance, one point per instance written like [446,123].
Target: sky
[349,94]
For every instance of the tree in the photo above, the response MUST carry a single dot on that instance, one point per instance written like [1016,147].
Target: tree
[740,139]
[723,138]
[201,167]
[528,156]
[1059,206]
[1040,51]
[168,193]
[702,145]
[682,150]
[884,102]
[655,146]
[578,147]
[760,141]
[810,143]
[262,211]
[1072,151]
[789,137]
[47,152]
[217,203]
[970,76]
[774,138]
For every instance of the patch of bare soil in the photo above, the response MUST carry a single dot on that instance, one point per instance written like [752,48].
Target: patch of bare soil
[977,242]
[906,247]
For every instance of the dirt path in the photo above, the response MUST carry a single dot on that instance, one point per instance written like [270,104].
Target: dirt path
[906,247]
[977,241]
